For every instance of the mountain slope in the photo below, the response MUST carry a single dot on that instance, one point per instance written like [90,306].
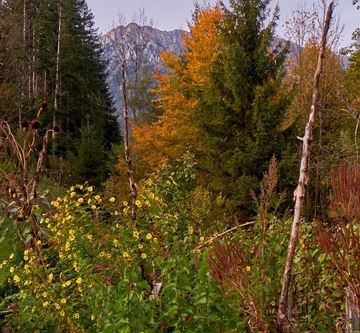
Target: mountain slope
[143,45]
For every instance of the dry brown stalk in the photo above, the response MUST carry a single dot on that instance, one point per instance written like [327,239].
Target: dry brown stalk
[229,270]
[341,242]
[22,185]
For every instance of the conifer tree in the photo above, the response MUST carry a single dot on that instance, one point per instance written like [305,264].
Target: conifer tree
[241,113]
[52,52]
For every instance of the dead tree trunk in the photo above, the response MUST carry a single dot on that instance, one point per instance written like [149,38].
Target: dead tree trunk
[128,161]
[352,312]
[299,194]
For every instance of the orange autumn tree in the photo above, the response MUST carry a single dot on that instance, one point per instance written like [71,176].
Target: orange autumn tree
[178,86]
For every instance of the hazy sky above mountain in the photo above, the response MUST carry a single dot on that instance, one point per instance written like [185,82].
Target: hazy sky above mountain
[174,14]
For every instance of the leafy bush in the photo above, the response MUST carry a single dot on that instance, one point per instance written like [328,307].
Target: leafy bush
[99,272]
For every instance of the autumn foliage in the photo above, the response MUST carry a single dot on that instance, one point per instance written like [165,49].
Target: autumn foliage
[179,81]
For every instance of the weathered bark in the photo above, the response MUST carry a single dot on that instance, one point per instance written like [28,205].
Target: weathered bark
[57,75]
[352,311]
[299,194]
[34,65]
[128,161]
[23,65]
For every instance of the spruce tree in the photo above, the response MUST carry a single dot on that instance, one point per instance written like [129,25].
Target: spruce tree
[241,113]
[51,49]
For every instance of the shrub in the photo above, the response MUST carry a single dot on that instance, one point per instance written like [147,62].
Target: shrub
[98,272]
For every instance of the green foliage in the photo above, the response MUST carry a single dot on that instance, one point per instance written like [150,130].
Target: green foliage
[28,70]
[88,161]
[241,114]
[96,270]
[7,244]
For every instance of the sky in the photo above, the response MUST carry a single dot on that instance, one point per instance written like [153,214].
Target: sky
[174,14]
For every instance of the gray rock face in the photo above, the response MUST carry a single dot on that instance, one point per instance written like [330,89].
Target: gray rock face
[142,46]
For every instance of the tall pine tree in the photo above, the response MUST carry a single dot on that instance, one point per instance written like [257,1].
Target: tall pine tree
[52,52]
[242,111]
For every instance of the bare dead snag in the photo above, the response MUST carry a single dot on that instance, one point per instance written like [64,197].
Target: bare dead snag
[299,194]
[129,167]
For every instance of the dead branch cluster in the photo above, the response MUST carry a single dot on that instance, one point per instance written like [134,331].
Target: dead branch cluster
[28,155]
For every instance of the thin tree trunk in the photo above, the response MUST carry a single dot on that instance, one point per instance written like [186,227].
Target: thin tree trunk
[45,83]
[356,134]
[352,311]
[57,76]
[29,61]
[129,167]
[23,65]
[299,193]
[34,64]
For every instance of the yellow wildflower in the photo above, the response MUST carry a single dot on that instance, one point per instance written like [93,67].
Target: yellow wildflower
[143,255]
[126,255]
[190,230]
[148,236]
[12,269]
[138,203]
[76,315]
[248,268]
[80,200]
[45,304]
[112,199]
[57,306]
[63,301]
[62,313]
[79,280]
[90,189]
[16,279]
[11,256]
